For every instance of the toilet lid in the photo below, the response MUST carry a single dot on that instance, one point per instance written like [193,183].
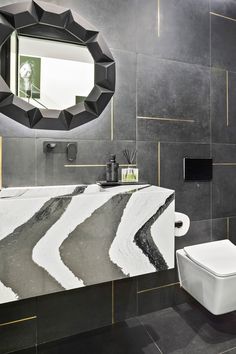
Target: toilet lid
[218,257]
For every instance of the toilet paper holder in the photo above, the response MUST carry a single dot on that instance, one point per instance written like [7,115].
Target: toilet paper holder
[178,224]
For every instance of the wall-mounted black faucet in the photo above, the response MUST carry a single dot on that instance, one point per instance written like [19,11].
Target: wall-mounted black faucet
[61,147]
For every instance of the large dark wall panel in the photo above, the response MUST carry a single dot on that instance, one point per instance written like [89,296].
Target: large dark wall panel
[175,98]
[177,30]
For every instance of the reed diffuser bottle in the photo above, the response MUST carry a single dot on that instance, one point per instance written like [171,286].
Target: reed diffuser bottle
[129,174]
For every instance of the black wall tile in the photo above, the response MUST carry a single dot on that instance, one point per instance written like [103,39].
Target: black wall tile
[192,198]
[17,336]
[223,51]
[160,298]
[114,19]
[75,311]
[219,229]
[232,229]
[124,109]
[183,29]
[19,163]
[225,8]
[147,159]
[223,194]
[199,232]
[157,279]
[175,91]
[223,90]
[125,299]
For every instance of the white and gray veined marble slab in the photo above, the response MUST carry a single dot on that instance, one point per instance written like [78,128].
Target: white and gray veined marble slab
[64,237]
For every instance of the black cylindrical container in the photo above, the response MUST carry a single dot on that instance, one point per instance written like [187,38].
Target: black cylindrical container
[112,170]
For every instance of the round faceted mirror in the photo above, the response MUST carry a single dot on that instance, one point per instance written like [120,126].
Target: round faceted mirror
[50,74]
[34,99]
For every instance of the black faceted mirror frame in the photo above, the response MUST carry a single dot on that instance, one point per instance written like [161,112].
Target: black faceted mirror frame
[34,14]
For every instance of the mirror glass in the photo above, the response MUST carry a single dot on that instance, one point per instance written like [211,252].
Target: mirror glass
[50,74]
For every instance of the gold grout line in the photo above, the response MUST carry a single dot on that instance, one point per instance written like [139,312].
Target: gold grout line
[226,17]
[121,165]
[227,97]
[159,164]
[227,351]
[158,18]
[227,227]
[158,287]
[0,162]
[112,119]
[17,321]
[168,119]
[224,164]
[112,303]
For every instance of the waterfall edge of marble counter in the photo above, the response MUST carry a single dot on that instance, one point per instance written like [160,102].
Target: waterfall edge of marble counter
[65,237]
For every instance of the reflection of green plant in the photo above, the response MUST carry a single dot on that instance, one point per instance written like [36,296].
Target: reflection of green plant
[29,77]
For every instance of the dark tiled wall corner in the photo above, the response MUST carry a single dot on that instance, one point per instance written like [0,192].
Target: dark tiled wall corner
[173,100]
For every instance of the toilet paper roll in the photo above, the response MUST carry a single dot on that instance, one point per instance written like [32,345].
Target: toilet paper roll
[184,223]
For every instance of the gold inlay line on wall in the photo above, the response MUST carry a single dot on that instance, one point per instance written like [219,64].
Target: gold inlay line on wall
[0,162]
[159,164]
[158,18]
[226,17]
[168,119]
[18,321]
[112,119]
[227,227]
[224,164]
[158,287]
[102,165]
[227,97]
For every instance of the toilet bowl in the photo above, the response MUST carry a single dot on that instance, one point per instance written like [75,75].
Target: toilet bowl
[208,272]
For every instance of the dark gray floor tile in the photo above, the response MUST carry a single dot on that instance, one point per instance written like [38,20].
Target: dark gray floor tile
[174,91]
[127,337]
[183,29]
[219,229]
[189,328]
[160,298]
[192,198]
[223,51]
[19,163]
[223,90]
[51,169]
[65,314]
[18,336]
[125,299]
[114,19]
[199,232]
[125,96]
[147,159]
[32,350]
[157,279]
[225,8]
[223,194]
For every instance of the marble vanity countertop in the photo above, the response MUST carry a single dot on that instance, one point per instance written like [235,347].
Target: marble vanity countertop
[64,237]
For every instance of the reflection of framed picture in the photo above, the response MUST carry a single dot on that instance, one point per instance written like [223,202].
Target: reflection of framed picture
[79,99]
[29,77]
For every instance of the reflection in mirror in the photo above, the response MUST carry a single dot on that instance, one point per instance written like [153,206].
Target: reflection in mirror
[50,74]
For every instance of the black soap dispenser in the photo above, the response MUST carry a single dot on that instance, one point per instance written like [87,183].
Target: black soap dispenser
[112,170]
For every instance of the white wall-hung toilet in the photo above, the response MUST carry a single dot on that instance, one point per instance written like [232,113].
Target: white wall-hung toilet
[207,271]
